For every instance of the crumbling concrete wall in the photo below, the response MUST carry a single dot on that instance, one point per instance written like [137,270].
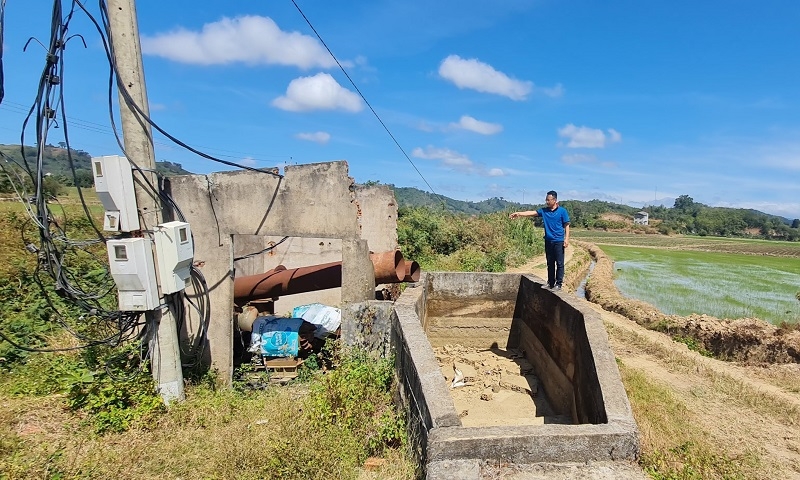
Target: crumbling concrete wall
[235,213]
[377,216]
[568,344]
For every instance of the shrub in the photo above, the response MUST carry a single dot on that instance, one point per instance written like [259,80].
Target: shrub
[356,396]
[115,391]
[445,241]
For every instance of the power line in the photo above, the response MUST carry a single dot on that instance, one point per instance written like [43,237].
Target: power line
[363,97]
[105,130]
[2,31]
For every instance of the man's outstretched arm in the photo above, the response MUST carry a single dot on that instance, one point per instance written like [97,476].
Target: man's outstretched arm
[526,213]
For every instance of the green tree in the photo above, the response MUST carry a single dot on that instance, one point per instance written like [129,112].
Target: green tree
[52,187]
[684,203]
[84,179]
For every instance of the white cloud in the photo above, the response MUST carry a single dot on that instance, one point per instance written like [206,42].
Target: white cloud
[484,128]
[574,158]
[248,39]
[318,137]
[320,92]
[585,137]
[425,126]
[457,161]
[554,92]
[249,162]
[482,77]
[447,157]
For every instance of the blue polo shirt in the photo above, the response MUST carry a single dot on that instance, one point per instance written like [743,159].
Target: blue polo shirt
[554,222]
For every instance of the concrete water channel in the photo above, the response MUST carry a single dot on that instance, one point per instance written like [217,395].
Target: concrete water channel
[567,405]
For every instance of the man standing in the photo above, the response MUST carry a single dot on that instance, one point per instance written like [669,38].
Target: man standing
[556,236]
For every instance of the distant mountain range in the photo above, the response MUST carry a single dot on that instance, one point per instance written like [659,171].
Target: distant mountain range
[414,197]
[56,162]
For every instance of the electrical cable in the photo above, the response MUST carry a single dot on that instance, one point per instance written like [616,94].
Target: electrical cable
[271,247]
[123,90]
[363,97]
[2,32]
[86,125]
[90,285]
[56,249]
[48,350]
[195,353]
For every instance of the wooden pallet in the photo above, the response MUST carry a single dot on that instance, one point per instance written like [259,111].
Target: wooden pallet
[281,370]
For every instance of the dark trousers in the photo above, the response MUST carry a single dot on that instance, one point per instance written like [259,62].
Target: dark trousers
[554,252]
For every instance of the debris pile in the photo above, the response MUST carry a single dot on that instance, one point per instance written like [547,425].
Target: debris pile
[492,386]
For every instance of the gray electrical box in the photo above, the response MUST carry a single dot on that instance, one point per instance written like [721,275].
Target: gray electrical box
[113,182]
[174,253]
[132,266]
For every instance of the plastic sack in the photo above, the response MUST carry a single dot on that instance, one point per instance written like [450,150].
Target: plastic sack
[275,336]
[326,319]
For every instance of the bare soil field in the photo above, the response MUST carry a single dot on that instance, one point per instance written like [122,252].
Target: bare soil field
[710,418]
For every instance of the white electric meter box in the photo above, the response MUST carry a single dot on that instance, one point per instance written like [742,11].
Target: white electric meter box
[133,269]
[113,181]
[174,255]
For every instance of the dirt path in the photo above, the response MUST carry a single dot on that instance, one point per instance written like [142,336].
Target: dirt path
[751,413]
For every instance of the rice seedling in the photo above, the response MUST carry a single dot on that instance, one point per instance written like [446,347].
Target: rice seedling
[724,285]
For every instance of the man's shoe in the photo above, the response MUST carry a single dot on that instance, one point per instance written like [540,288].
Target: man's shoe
[557,287]
[549,286]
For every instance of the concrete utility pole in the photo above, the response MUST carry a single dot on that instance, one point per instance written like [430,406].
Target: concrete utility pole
[127,53]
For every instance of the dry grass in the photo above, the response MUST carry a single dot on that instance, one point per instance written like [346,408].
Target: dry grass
[214,434]
[774,402]
[673,444]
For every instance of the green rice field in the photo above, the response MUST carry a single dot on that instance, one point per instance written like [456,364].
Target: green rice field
[725,278]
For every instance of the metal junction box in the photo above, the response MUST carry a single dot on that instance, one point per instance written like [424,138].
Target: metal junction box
[174,254]
[113,181]
[133,269]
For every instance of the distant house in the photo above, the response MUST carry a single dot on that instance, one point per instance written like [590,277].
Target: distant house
[641,218]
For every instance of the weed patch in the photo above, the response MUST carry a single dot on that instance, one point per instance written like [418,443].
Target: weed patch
[440,240]
[672,445]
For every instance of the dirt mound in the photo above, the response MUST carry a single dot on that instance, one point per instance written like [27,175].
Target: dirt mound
[748,340]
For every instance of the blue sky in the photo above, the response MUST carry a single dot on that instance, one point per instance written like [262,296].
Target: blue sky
[625,101]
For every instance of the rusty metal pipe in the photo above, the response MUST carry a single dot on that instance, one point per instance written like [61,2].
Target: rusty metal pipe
[280,281]
[390,267]
[412,272]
